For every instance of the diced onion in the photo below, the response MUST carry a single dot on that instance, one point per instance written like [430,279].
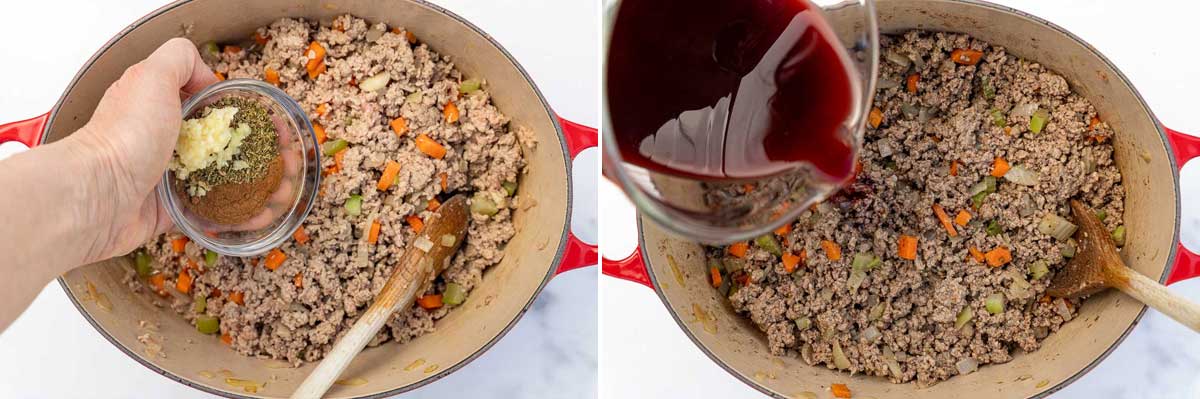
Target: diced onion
[885,83]
[803,323]
[969,330]
[877,311]
[897,59]
[924,114]
[1068,250]
[1019,288]
[1021,175]
[826,294]
[889,358]
[448,240]
[909,110]
[964,316]
[839,358]
[871,334]
[994,303]
[1056,226]
[987,185]
[1022,111]
[379,81]
[1060,306]
[966,366]
[855,280]
[374,34]
[423,243]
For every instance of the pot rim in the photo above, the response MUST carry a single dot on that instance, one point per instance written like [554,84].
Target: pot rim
[1170,261]
[551,268]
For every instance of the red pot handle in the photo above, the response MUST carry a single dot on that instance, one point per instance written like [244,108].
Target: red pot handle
[578,253]
[28,132]
[632,268]
[1187,263]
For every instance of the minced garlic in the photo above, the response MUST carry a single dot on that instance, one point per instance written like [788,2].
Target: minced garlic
[208,140]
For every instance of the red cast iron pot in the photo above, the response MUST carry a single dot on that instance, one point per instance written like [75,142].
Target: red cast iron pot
[1148,155]
[542,247]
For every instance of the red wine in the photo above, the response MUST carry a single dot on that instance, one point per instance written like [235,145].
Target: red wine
[729,89]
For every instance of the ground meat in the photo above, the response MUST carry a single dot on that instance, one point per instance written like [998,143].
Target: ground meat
[906,164]
[297,311]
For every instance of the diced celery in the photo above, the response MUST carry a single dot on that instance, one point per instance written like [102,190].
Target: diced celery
[210,258]
[1056,226]
[1118,235]
[483,205]
[199,303]
[1038,269]
[994,303]
[989,91]
[864,262]
[716,262]
[1068,250]
[354,205]
[333,147]
[509,187]
[1102,214]
[768,243]
[455,294]
[998,118]
[964,316]
[803,323]
[1038,120]
[469,86]
[206,324]
[993,228]
[142,263]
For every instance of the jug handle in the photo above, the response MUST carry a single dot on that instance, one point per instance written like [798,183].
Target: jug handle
[578,253]
[27,132]
[1187,263]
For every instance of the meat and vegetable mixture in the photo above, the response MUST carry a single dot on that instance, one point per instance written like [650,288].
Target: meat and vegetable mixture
[935,259]
[401,129]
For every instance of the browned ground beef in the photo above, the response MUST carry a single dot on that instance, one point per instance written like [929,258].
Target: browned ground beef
[905,171]
[339,273]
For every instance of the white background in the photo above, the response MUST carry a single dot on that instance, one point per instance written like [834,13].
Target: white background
[51,352]
[644,354]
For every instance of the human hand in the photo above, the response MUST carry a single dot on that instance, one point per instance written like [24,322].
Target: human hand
[131,136]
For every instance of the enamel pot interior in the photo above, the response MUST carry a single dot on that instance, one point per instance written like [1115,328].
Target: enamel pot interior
[495,305]
[678,270]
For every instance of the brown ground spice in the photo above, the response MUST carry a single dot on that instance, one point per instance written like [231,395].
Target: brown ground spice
[234,203]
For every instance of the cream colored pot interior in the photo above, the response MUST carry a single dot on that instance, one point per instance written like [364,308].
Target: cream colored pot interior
[507,288]
[677,266]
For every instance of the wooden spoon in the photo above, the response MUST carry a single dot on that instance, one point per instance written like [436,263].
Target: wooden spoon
[1097,266]
[411,276]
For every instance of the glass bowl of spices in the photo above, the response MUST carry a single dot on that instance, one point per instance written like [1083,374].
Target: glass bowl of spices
[245,170]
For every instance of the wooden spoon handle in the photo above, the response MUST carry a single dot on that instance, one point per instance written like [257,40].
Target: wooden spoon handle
[1157,296]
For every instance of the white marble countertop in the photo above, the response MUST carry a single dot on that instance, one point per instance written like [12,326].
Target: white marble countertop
[51,352]
[645,354]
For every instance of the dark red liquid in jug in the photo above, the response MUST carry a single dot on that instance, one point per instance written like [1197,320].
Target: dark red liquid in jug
[729,89]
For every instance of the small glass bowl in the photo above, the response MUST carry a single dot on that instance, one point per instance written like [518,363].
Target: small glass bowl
[287,206]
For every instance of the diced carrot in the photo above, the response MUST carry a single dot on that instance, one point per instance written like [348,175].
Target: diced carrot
[300,235]
[790,261]
[317,71]
[1000,167]
[1008,130]
[271,75]
[945,220]
[237,297]
[715,276]
[184,282]
[179,244]
[228,340]
[399,125]
[434,204]
[444,180]
[432,301]
[319,131]
[976,254]
[964,56]
[390,171]
[232,49]
[373,235]
[908,247]
[840,391]
[322,109]
[912,83]
[832,250]
[298,280]
[316,56]
[396,30]
[738,249]
[747,188]
[159,281]
[337,160]
[219,76]
[260,39]
[998,257]
[191,264]
[962,218]
[1045,299]
[954,168]
[450,112]
[415,223]
[784,230]
[274,259]
[337,25]
[875,117]
[1093,122]
[214,293]
[412,39]
[430,147]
